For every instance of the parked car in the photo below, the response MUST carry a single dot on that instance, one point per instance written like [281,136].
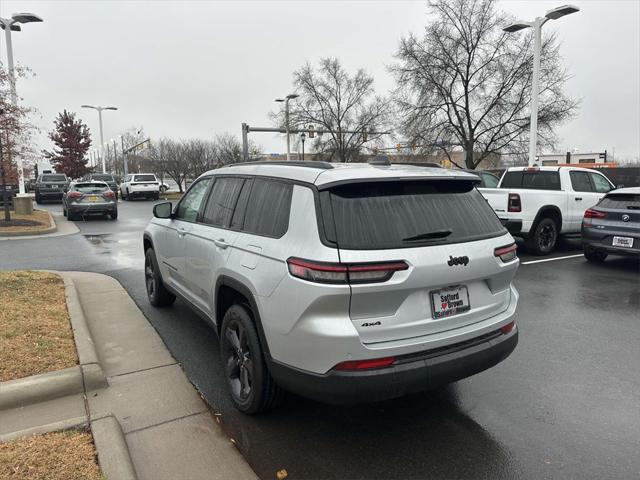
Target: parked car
[344,283]
[89,198]
[50,186]
[108,178]
[612,226]
[487,179]
[138,185]
[541,203]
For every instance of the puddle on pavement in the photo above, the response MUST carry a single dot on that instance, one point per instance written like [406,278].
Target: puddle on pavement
[100,239]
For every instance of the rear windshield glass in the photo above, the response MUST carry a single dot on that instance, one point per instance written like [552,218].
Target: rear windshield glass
[532,180]
[628,201]
[54,178]
[91,187]
[144,178]
[104,178]
[405,214]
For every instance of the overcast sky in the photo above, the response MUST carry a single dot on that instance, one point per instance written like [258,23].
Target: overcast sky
[193,69]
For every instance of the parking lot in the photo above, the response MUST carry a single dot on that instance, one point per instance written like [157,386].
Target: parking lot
[565,404]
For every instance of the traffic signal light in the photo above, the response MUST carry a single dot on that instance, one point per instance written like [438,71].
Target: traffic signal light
[312,131]
[398,147]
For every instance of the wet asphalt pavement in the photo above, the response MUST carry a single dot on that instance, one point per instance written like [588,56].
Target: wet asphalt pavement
[565,404]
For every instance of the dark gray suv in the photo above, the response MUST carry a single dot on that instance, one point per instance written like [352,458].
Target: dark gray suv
[51,186]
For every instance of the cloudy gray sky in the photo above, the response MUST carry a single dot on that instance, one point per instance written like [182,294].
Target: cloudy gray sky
[193,69]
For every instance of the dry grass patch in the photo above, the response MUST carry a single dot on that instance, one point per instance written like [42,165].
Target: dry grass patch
[52,456]
[35,333]
[36,222]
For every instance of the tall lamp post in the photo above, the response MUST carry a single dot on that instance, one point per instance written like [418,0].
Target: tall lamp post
[11,25]
[286,119]
[100,109]
[537,24]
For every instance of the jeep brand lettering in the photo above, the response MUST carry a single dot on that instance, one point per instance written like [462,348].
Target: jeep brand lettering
[458,261]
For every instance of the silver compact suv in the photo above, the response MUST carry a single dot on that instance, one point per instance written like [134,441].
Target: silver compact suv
[340,282]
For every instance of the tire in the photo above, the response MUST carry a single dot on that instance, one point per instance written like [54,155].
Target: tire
[593,255]
[251,387]
[71,216]
[38,199]
[157,293]
[544,237]
[156,196]
[64,211]
[114,215]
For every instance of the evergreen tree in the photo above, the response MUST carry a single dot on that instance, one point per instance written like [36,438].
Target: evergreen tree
[72,140]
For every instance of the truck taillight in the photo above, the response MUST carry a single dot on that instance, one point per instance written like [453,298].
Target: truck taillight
[514,204]
[507,253]
[344,273]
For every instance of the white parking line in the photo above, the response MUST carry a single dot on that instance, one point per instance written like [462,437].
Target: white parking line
[552,259]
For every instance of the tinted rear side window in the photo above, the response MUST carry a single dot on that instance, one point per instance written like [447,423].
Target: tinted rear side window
[378,215]
[268,208]
[222,201]
[533,180]
[580,181]
[626,201]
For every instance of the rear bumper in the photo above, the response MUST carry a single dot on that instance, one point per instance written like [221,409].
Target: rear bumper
[514,227]
[50,194]
[410,374]
[94,208]
[597,239]
[144,193]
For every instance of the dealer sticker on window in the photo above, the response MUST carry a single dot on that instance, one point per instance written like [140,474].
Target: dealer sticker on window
[450,301]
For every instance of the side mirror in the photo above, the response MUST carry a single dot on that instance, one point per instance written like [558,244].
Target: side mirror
[162,210]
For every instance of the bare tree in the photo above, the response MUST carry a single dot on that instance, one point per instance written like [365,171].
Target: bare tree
[333,100]
[466,84]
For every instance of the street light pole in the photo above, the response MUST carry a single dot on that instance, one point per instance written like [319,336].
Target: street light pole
[9,25]
[537,24]
[302,137]
[286,119]
[100,109]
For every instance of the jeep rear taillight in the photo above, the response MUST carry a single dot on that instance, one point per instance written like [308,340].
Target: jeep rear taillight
[514,204]
[344,273]
[507,253]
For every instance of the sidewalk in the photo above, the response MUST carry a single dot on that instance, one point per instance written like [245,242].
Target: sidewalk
[165,428]
[61,227]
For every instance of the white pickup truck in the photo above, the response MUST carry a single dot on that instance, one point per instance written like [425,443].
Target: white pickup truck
[541,203]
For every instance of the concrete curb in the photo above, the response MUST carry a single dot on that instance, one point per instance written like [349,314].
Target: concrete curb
[113,452]
[67,424]
[53,228]
[86,376]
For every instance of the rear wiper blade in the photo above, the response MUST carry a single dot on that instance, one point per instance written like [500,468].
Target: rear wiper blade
[428,236]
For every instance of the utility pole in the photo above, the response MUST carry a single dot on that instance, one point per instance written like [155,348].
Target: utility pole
[303,136]
[291,96]
[5,197]
[124,157]
[100,109]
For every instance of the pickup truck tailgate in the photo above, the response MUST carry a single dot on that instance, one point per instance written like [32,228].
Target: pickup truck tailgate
[497,198]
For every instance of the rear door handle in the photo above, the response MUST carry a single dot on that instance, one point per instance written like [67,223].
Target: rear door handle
[181,232]
[221,243]
[578,199]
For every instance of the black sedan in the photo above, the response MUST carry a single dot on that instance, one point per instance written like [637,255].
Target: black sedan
[612,226]
[89,198]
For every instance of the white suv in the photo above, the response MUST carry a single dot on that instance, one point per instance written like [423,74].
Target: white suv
[140,185]
[341,282]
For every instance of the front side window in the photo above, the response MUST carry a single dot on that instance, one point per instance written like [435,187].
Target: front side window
[580,182]
[222,201]
[268,207]
[189,206]
[489,181]
[600,184]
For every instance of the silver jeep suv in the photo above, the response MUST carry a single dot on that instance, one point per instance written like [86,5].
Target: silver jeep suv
[340,282]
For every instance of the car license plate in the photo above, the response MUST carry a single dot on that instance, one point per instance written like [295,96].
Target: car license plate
[626,242]
[93,198]
[450,301]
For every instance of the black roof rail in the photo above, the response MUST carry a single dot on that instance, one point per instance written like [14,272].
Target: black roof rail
[420,164]
[292,163]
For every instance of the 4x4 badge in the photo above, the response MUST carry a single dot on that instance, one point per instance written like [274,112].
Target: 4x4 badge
[458,261]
